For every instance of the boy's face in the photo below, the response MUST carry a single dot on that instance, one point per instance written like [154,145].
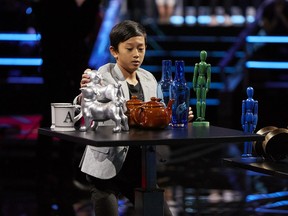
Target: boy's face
[130,53]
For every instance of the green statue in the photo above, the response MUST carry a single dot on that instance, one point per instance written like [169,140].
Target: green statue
[201,85]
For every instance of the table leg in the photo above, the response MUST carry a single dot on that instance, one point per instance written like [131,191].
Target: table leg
[149,199]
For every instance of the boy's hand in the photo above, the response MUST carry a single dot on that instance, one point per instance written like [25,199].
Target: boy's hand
[190,114]
[85,78]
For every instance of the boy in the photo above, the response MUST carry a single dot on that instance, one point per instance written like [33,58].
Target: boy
[123,172]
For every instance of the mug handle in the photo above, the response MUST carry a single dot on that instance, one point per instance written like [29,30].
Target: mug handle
[79,116]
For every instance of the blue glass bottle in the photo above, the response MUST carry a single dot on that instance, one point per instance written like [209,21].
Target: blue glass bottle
[180,92]
[166,80]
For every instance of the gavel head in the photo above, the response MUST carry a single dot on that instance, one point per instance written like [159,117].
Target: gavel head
[275,145]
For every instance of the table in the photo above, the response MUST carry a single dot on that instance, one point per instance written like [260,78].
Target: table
[149,194]
[267,167]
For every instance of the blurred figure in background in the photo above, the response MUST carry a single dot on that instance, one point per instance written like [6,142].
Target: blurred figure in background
[136,10]
[244,6]
[273,22]
[275,17]
[230,9]
[226,4]
[165,10]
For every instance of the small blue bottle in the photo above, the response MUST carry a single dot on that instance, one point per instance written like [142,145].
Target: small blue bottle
[166,80]
[180,92]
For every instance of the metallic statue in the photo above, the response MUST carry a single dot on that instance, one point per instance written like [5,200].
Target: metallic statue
[103,102]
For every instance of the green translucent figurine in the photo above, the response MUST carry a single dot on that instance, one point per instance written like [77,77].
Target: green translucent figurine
[201,85]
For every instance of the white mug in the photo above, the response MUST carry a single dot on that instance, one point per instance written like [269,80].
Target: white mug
[63,116]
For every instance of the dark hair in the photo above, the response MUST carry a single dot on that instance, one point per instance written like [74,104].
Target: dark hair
[124,31]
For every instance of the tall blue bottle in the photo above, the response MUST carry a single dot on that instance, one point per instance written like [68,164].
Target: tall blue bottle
[166,80]
[180,92]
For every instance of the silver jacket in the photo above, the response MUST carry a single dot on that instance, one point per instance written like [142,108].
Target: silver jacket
[106,162]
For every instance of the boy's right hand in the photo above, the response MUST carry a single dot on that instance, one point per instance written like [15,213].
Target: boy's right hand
[85,78]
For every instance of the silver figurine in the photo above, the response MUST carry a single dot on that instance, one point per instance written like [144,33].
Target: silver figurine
[101,103]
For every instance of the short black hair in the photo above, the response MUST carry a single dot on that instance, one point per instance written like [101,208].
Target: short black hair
[124,31]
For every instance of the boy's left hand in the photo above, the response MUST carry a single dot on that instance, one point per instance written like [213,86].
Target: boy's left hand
[190,114]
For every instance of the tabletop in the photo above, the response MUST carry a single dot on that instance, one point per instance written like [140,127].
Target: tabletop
[104,136]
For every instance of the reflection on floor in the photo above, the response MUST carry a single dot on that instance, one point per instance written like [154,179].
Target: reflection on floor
[195,181]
